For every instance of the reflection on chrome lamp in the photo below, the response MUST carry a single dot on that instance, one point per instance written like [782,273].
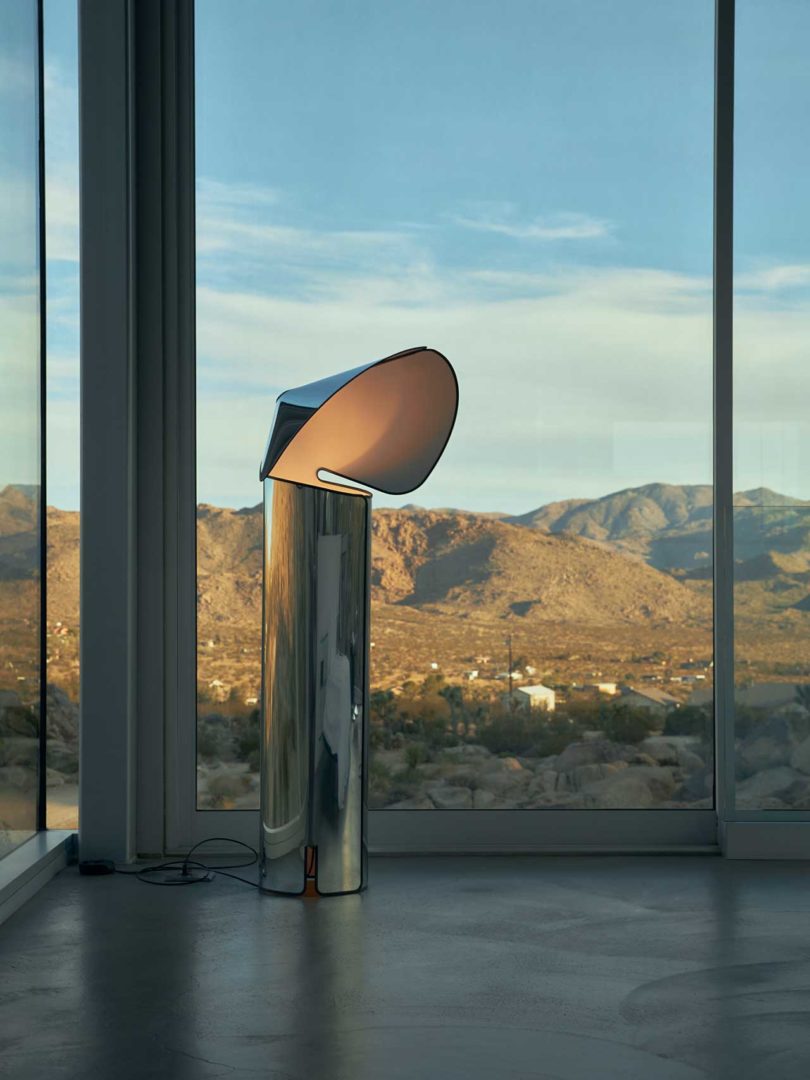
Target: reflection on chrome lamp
[384,425]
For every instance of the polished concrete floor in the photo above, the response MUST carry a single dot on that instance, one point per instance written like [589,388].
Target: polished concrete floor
[513,967]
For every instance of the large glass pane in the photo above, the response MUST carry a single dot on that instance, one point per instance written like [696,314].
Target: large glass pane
[771,392]
[62,375]
[526,187]
[20,464]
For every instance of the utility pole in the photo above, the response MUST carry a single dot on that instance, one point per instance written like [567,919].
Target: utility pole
[511,695]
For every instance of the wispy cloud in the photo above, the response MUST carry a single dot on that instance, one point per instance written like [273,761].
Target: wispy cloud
[561,226]
[17,75]
[61,164]
[774,278]
[574,378]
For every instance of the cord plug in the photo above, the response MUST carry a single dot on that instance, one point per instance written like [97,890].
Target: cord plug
[95,867]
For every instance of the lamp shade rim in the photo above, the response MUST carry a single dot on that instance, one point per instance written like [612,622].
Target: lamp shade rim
[298,407]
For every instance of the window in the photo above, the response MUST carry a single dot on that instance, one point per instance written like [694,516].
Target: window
[771,386]
[21,546]
[530,194]
[62,385]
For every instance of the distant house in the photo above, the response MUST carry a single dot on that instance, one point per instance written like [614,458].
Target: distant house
[535,697]
[530,670]
[756,696]
[514,675]
[603,687]
[434,666]
[655,701]
[470,675]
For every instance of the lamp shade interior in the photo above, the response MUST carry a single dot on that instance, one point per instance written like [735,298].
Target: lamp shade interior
[383,425]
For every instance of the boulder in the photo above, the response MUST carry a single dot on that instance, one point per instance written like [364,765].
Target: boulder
[677,750]
[466,752]
[430,770]
[485,800]
[418,802]
[640,758]
[500,776]
[769,745]
[690,762]
[797,796]
[766,784]
[63,757]
[637,786]
[800,758]
[458,775]
[622,791]
[583,775]
[696,786]
[449,796]
[19,750]
[63,716]
[592,752]
[17,777]
[543,783]
[541,764]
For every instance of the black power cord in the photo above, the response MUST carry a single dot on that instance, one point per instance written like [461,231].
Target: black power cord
[188,871]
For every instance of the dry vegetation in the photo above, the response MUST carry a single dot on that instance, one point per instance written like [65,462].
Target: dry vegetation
[615,590]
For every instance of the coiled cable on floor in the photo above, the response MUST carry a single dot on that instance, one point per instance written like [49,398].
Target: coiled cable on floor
[188,871]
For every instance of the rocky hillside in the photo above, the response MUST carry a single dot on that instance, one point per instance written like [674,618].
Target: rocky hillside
[19,549]
[229,567]
[581,561]
[670,525]
[470,566]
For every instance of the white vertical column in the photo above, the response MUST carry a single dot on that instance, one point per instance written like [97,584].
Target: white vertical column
[107,732]
[137,309]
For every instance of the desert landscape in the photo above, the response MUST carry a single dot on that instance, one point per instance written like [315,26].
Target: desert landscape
[603,607]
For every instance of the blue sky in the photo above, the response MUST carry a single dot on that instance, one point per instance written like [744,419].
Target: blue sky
[523,185]
[19,299]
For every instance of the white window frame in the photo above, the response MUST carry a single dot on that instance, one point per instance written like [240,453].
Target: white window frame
[138,765]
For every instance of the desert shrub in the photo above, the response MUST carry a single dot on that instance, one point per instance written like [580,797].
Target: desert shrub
[556,735]
[18,719]
[383,709]
[215,738]
[247,735]
[690,720]
[512,732]
[416,753]
[624,724]
[746,718]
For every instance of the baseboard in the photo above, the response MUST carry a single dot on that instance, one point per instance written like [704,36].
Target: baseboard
[765,839]
[484,832]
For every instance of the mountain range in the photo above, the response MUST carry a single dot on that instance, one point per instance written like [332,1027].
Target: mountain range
[634,555]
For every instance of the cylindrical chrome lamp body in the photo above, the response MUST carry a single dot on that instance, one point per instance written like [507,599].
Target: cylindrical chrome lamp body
[314,688]
[383,425]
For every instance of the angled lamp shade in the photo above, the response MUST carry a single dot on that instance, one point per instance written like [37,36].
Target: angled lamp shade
[382,426]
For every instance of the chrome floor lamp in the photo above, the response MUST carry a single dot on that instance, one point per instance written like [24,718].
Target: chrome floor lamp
[384,425]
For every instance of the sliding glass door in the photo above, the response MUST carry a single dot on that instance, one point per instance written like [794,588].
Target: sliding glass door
[771,767]
[21,458]
[527,188]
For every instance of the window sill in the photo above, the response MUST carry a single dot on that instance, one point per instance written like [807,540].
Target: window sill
[27,868]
